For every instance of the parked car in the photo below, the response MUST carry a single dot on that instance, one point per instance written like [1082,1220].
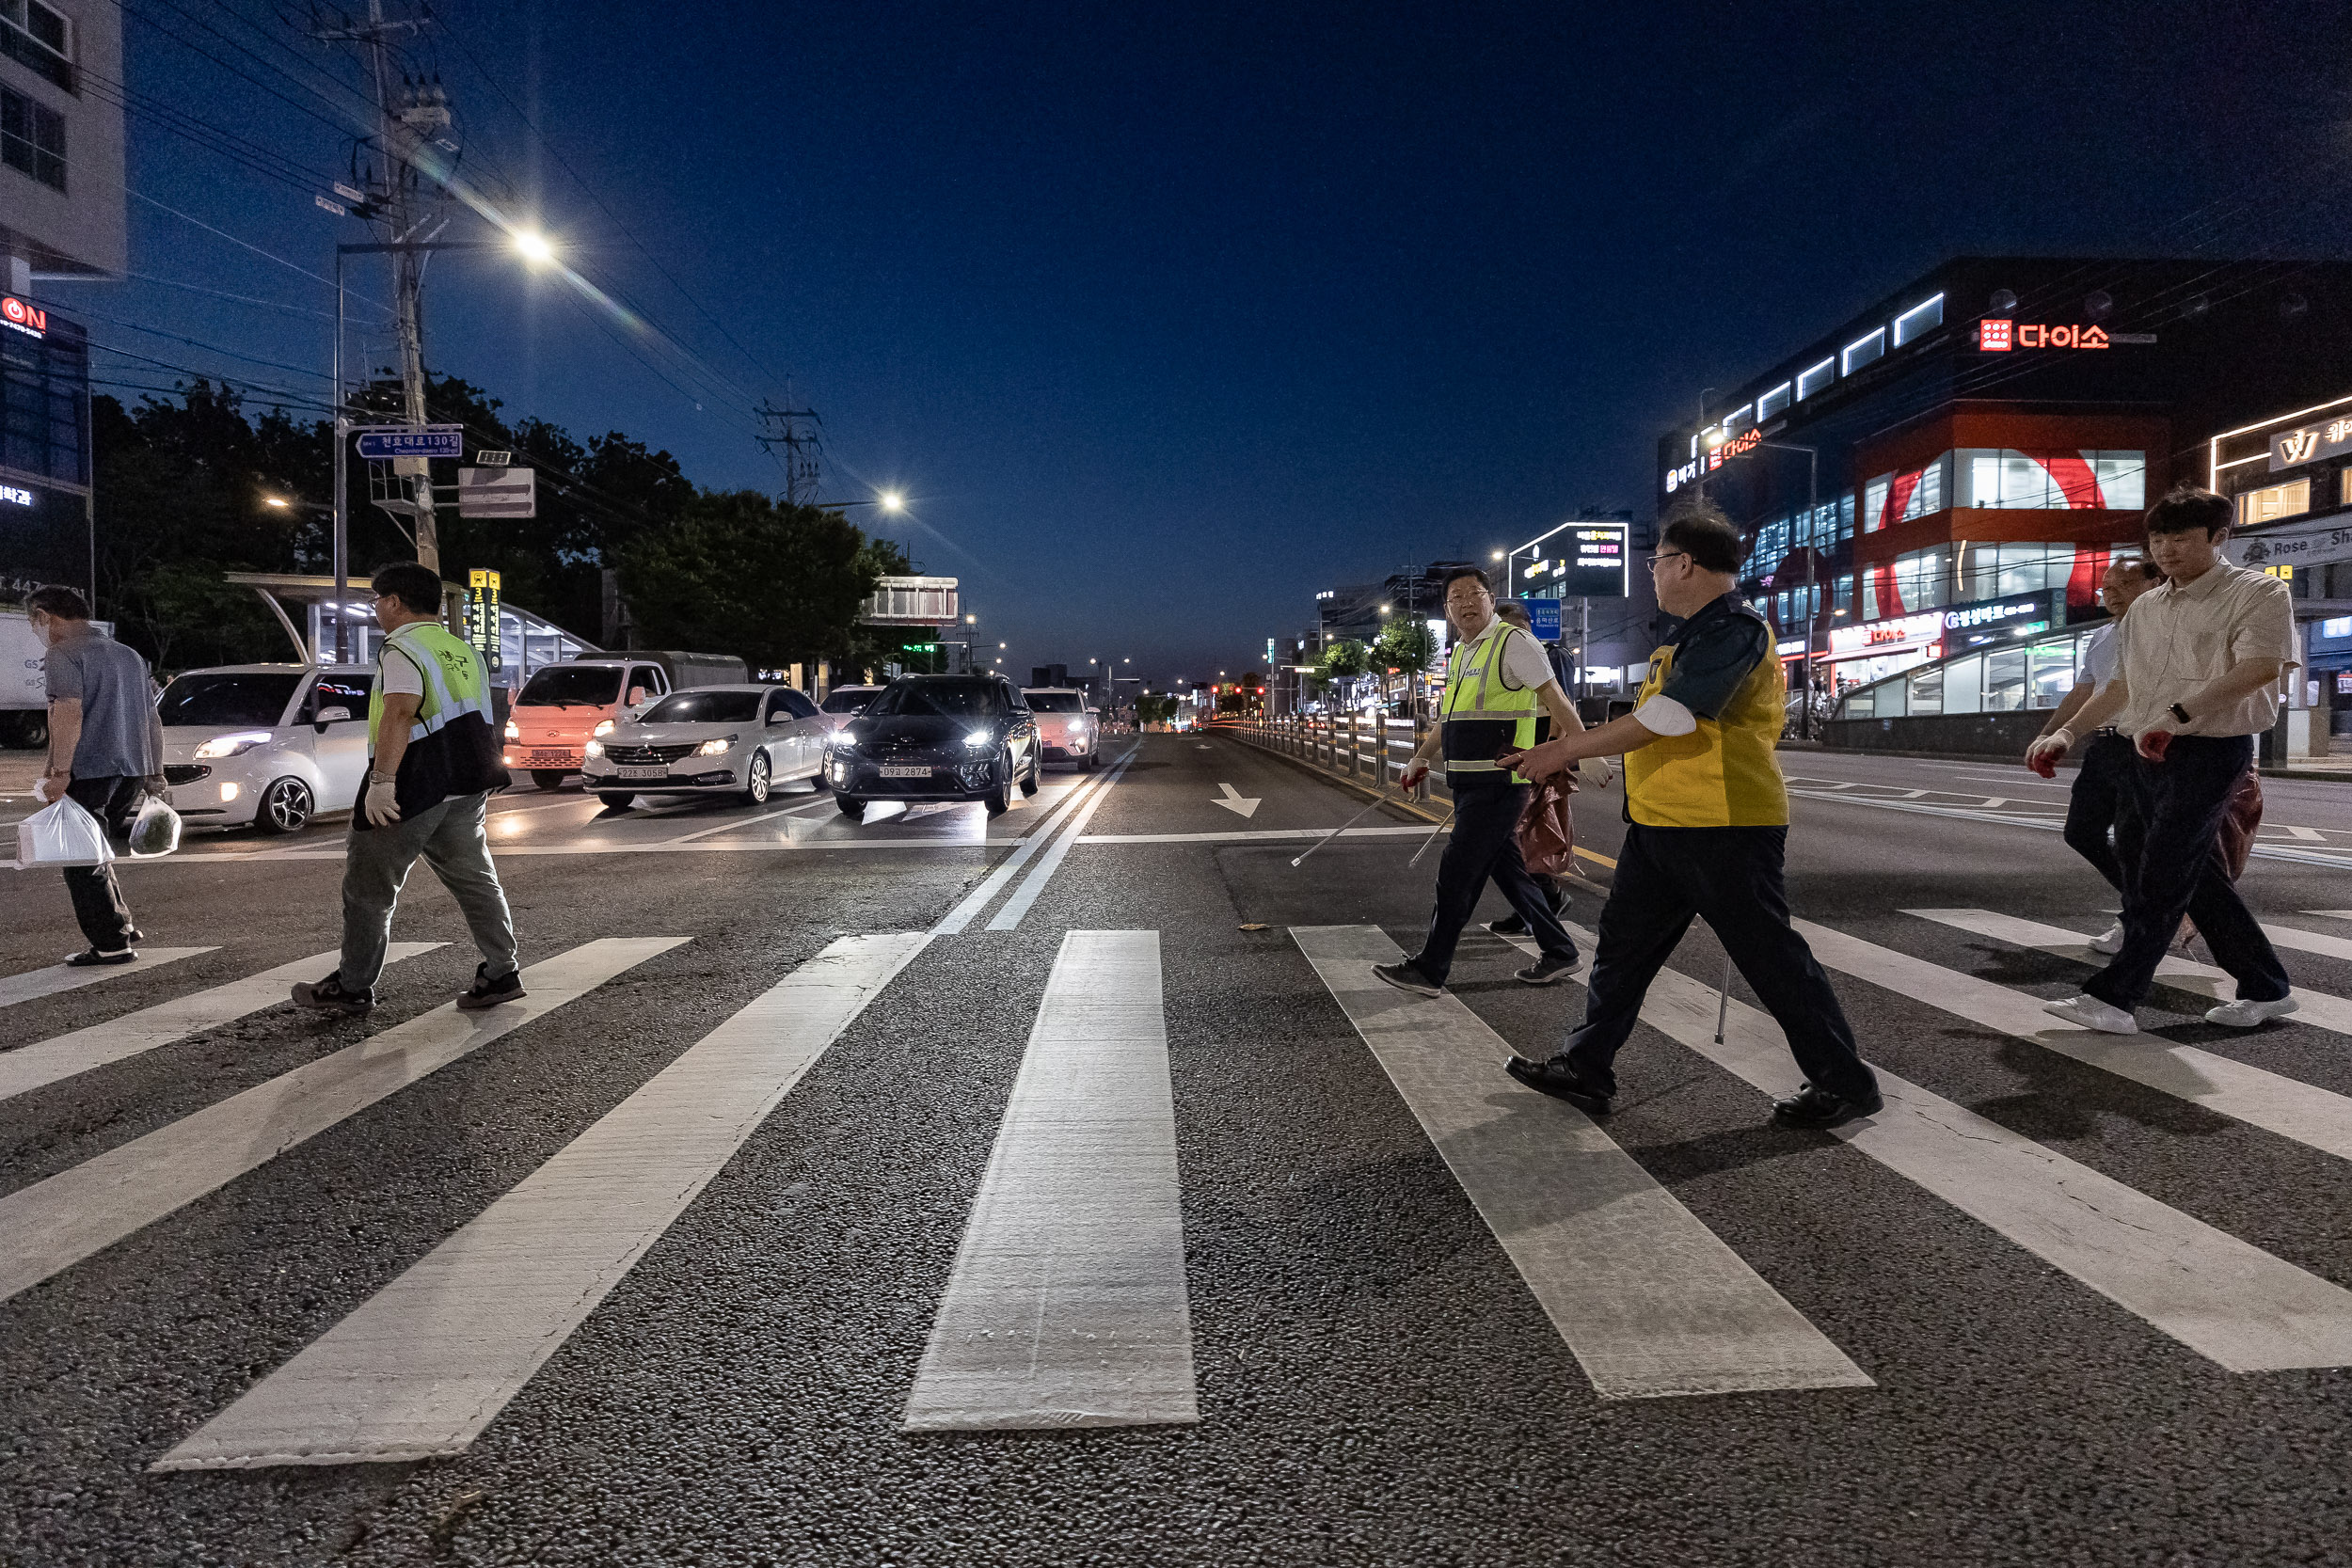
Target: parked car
[738,740]
[564,706]
[1068,730]
[845,703]
[936,737]
[269,745]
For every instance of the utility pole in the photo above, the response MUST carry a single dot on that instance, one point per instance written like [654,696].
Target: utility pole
[800,462]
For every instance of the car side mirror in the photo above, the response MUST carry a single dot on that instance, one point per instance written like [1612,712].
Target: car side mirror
[779,717]
[331,716]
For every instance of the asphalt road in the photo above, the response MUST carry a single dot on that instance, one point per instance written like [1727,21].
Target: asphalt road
[1251,1265]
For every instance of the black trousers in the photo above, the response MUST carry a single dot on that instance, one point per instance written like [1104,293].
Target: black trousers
[2097,800]
[1486,842]
[1732,879]
[98,906]
[2166,836]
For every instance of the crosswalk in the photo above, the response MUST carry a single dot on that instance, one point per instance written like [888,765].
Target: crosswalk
[1067,1302]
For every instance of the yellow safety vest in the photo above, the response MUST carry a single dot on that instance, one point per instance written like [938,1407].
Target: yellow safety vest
[1723,774]
[1483,713]
[454,681]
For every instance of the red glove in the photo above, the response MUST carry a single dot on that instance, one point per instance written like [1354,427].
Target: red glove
[2152,744]
[2043,764]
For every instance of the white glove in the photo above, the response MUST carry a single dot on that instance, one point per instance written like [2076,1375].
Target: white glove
[1595,772]
[40,790]
[376,804]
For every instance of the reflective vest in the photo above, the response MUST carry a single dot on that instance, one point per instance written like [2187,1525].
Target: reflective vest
[454,681]
[1723,774]
[452,745]
[1482,714]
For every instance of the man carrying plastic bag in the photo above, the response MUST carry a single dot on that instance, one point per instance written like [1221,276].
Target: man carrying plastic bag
[105,755]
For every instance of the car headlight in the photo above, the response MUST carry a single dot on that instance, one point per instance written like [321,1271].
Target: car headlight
[716,748]
[514,731]
[841,740]
[1078,727]
[979,738]
[594,749]
[604,727]
[231,745]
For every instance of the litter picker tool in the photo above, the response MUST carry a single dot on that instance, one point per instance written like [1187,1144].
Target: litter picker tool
[1430,840]
[1723,1003]
[1376,801]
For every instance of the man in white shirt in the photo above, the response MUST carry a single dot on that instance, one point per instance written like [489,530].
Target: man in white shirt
[2201,659]
[2090,810]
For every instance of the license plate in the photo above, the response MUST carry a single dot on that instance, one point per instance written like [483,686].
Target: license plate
[551,759]
[644,775]
[902,770]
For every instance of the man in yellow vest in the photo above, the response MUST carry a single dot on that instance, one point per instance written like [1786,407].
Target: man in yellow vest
[434,761]
[1706,834]
[1497,683]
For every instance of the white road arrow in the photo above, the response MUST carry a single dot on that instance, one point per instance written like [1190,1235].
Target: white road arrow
[1236,802]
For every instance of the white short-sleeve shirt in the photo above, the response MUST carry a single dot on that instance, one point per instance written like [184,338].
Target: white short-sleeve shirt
[1524,665]
[2178,636]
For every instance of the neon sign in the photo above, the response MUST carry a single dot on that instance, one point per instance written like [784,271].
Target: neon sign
[1999,335]
[30,320]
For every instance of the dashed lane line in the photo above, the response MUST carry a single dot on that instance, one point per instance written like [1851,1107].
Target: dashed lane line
[36,983]
[1008,917]
[420,1368]
[968,910]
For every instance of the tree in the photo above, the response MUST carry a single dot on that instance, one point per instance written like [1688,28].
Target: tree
[775,584]
[1152,711]
[1404,646]
[1344,660]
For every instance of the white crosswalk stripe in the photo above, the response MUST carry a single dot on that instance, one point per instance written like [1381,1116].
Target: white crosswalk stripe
[955,920]
[56,1223]
[1648,1299]
[1008,918]
[31,1067]
[429,1361]
[36,983]
[1068,1305]
[2307,942]
[2222,1297]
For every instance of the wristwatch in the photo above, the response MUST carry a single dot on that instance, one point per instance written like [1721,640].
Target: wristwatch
[2180,713]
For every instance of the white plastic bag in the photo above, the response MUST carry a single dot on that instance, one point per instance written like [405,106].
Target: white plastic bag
[62,835]
[155,830]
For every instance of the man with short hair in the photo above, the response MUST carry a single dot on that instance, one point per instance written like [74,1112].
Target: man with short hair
[1497,681]
[1514,612]
[1707,834]
[105,751]
[2091,808]
[2201,658]
[434,761]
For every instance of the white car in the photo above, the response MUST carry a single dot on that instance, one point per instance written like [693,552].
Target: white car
[845,703]
[738,740]
[265,745]
[1067,728]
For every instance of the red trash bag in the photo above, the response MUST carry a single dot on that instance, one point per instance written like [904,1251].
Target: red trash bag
[2239,820]
[1548,833]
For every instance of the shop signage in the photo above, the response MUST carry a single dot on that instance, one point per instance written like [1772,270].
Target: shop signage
[2000,334]
[1596,567]
[15,496]
[1930,626]
[2293,545]
[1739,446]
[482,615]
[2312,444]
[28,319]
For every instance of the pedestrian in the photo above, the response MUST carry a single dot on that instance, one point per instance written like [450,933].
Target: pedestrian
[2201,660]
[1707,834]
[1497,683]
[106,753]
[1514,612]
[2091,808]
[433,760]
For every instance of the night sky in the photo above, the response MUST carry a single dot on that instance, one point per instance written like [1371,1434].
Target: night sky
[1169,316]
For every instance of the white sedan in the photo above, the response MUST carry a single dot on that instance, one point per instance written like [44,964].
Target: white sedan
[265,745]
[738,740]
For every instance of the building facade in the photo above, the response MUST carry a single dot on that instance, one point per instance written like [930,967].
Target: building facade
[2291,478]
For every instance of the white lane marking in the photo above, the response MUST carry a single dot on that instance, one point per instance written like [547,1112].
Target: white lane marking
[2307,942]
[2307,1115]
[1235,802]
[1068,1305]
[710,847]
[36,983]
[2332,914]
[1914,794]
[495,809]
[728,827]
[1650,1301]
[1255,836]
[2310,833]
[420,1368]
[955,920]
[2224,1299]
[2045,821]
[1008,917]
[31,1067]
[52,1225]
[1991,801]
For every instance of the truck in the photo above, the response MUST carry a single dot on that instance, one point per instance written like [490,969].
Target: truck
[24,686]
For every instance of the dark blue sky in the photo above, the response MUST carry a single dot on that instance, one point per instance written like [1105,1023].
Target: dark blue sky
[1168,317]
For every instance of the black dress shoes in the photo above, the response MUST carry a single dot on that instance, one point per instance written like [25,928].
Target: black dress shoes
[1813,1106]
[1559,1079]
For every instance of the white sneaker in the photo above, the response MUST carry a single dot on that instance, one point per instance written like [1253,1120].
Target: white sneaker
[2112,942]
[2092,1013]
[2243,1014]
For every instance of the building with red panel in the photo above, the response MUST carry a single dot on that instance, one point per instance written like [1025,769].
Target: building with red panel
[1955,466]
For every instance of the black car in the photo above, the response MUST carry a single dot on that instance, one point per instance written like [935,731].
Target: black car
[936,737]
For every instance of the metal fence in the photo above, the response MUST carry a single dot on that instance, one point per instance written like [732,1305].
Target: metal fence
[1373,751]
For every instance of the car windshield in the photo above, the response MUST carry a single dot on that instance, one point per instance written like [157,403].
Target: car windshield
[592,685]
[204,700]
[852,701]
[705,707]
[938,700]
[1057,702]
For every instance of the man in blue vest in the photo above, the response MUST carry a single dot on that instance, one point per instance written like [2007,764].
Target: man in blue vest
[434,761]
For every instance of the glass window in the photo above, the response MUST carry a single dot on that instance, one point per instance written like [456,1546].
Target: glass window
[2272,502]
[1056,701]
[1919,319]
[1874,503]
[1772,403]
[257,699]
[705,708]
[1924,691]
[2053,673]
[1845,591]
[350,692]
[798,706]
[1812,380]
[850,699]
[572,685]
[1862,351]
[927,697]
[1963,685]
[2004,680]
[39,38]
[2123,479]
[1859,705]
[32,138]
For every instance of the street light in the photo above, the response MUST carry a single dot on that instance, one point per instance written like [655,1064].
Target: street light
[891,501]
[534,247]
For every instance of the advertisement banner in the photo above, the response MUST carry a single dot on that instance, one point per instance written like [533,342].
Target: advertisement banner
[482,615]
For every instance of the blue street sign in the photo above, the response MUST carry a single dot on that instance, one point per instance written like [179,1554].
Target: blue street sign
[1544,614]
[401,440]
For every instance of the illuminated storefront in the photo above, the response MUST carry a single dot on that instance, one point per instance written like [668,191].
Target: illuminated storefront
[45,450]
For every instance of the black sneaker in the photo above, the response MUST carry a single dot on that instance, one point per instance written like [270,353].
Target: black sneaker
[1405,977]
[1559,1079]
[1816,1107]
[92,958]
[1509,925]
[328,996]
[486,992]
[1549,970]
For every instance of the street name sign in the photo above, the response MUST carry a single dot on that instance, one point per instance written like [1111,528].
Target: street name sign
[407,440]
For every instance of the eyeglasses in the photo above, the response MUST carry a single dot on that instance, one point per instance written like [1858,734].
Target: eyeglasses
[1666,555]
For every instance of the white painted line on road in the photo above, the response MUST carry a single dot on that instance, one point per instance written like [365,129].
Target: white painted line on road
[36,983]
[1255,836]
[1651,1301]
[1068,1305]
[52,1225]
[955,920]
[714,847]
[2312,833]
[1008,917]
[31,1067]
[726,827]
[420,1368]
[2307,1115]
[2048,822]
[2224,1299]
[2332,914]
[2307,942]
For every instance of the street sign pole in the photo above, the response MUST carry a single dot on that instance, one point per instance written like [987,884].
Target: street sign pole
[342,501]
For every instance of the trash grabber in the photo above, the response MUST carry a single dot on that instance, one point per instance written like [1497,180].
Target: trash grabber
[1431,839]
[1723,1003]
[1318,844]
